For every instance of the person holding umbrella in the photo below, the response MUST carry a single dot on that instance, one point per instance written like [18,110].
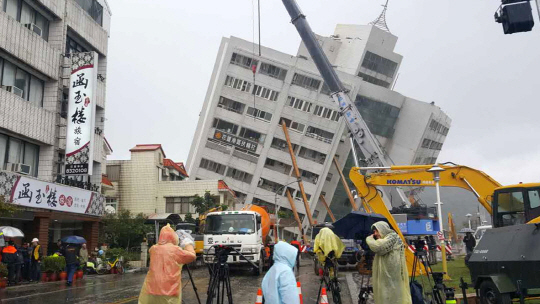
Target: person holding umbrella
[70,251]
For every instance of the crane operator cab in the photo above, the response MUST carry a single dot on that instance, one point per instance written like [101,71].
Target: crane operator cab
[516,204]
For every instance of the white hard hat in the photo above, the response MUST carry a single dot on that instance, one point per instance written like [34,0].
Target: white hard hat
[35,240]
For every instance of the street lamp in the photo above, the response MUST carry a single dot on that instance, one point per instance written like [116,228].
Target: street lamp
[436,170]
[468,215]
[279,191]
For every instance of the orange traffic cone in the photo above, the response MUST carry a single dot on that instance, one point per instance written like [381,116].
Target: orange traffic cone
[300,292]
[259,297]
[324,297]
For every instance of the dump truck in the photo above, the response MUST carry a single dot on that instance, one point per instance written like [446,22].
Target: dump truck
[245,230]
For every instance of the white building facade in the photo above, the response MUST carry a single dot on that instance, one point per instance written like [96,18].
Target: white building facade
[239,137]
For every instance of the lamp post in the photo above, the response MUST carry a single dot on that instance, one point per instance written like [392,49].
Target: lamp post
[436,170]
[468,215]
[280,192]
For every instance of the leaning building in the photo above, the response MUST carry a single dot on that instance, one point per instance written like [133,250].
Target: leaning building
[239,137]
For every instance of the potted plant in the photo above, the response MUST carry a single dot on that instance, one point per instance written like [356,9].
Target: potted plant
[3,275]
[60,267]
[80,272]
[48,269]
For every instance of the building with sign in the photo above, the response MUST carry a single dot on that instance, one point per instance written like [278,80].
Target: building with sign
[153,184]
[239,137]
[53,53]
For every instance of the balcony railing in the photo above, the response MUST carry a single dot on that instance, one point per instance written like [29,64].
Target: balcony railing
[68,181]
[318,137]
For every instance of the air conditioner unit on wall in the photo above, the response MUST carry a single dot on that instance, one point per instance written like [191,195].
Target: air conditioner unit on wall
[14,90]
[34,28]
[19,168]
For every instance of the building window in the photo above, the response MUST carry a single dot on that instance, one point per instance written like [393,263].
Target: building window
[231,105]
[298,195]
[272,71]
[225,126]
[379,64]
[238,84]
[281,144]
[111,201]
[239,175]
[373,80]
[252,135]
[265,93]
[329,177]
[212,166]
[426,143]
[93,8]
[28,16]
[277,166]
[380,117]
[262,115]
[21,83]
[243,61]
[299,104]
[306,82]
[179,205]
[14,151]
[320,134]
[73,46]
[293,125]
[271,186]
[326,113]
[309,177]
[438,127]
[313,155]
[259,202]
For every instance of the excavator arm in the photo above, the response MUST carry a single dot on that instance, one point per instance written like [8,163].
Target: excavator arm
[481,184]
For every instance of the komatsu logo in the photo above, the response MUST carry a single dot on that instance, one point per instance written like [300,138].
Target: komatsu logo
[407,182]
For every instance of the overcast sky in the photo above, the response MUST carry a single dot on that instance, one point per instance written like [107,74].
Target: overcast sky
[161,57]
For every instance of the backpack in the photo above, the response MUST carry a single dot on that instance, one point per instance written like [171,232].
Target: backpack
[417,294]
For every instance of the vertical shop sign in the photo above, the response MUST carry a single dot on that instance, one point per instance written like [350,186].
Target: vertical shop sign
[81,114]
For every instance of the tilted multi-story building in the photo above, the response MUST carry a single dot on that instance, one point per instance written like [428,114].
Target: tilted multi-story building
[239,136]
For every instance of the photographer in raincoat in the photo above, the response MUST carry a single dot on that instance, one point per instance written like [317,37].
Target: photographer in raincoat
[163,281]
[390,275]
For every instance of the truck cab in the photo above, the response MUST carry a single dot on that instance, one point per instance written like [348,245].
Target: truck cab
[240,230]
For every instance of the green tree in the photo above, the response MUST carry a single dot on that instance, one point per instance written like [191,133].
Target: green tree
[124,229]
[6,209]
[204,203]
[189,218]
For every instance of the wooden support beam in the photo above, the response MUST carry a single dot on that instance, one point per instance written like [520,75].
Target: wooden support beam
[328,208]
[296,217]
[297,173]
[346,186]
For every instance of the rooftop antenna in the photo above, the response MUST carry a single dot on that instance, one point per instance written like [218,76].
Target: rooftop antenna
[380,22]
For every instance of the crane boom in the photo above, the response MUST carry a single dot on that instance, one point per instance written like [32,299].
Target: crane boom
[369,145]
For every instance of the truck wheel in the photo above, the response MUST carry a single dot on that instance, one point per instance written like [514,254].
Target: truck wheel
[256,271]
[489,294]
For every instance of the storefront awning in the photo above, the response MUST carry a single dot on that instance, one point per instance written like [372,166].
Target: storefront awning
[20,216]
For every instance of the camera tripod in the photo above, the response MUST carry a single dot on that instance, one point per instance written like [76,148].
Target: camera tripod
[220,281]
[420,256]
[365,289]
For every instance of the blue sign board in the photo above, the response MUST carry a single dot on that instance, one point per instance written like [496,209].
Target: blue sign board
[403,227]
[422,227]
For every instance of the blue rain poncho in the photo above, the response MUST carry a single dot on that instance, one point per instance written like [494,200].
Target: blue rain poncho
[279,283]
[390,276]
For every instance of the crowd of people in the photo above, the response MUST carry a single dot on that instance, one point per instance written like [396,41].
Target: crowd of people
[24,262]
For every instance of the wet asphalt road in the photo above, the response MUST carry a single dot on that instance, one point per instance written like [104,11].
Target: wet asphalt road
[119,289]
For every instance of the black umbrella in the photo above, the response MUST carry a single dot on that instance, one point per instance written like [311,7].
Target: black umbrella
[357,225]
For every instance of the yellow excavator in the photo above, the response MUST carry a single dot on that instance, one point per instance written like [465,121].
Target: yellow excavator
[501,261]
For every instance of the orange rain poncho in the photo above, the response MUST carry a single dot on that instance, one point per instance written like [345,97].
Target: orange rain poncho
[163,281]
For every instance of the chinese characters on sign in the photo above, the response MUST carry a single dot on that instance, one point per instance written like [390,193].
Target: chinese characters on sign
[81,112]
[234,140]
[40,194]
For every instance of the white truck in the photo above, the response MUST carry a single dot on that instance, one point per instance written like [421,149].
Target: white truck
[241,230]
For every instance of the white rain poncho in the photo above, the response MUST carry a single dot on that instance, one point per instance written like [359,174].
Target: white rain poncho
[390,276]
[279,283]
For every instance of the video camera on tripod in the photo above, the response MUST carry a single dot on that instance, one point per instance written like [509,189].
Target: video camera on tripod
[219,273]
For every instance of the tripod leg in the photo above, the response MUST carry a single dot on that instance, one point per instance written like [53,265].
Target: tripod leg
[320,289]
[229,289]
[193,284]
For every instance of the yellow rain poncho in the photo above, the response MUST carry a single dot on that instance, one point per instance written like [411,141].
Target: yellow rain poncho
[325,242]
[163,282]
[390,276]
